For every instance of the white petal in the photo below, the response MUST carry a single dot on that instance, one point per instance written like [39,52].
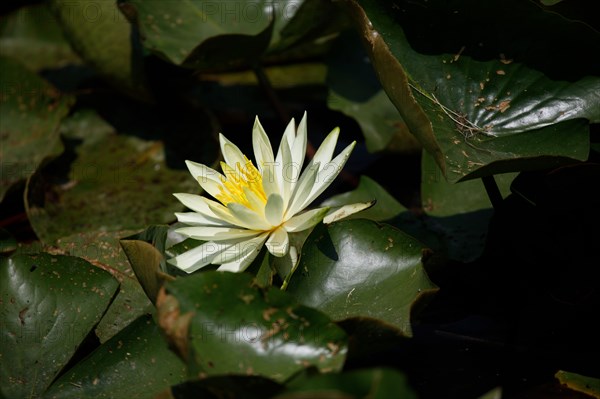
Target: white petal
[198,257]
[247,217]
[198,219]
[248,252]
[231,152]
[278,242]
[195,203]
[207,207]
[219,233]
[274,209]
[289,133]
[284,168]
[209,179]
[325,151]
[303,190]
[270,180]
[328,174]
[305,220]
[263,152]
[257,204]
[299,144]
[346,210]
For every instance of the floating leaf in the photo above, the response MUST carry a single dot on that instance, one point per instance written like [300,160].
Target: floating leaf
[478,117]
[441,198]
[116,183]
[580,383]
[49,305]
[103,38]
[364,99]
[103,250]
[135,363]
[203,34]
[30,111]
[358,268]
[222,323]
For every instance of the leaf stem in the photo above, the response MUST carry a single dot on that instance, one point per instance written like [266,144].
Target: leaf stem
[493,191]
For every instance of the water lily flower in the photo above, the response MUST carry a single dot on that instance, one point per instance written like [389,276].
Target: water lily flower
[256,205]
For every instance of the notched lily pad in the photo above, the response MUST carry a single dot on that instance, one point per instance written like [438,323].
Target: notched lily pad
[30,112]
[222,323]
[50,303]
[359,268]
[135,363]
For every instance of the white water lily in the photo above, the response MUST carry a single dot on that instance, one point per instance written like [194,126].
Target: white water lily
[258,205]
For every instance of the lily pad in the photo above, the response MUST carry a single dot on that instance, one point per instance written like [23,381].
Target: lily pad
[32,36]
[476,112]
[50,303]
[364,99]
[103,38]
[203,34]
[362,269]
[30,112]
[441,198]
[222,323]
[135,363]
[580,383]
[116,183]
[103,250]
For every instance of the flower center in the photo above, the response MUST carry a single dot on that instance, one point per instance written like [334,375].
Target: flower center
[242,185]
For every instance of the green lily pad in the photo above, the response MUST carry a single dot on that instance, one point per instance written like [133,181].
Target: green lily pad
[103,250]
[31,35]
[580,383]
[479,113]
[115,183]
[222,323]
[378,383]
[135,363]
[364,99]
[359,268]
[30,112]
[50,303]
[368,189]
[441,198]
[103,38]
[203,34]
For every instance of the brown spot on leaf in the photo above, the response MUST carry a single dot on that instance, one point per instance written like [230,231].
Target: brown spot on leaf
[174,324]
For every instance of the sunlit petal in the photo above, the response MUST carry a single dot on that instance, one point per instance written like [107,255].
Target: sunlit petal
[231,152]
[299,144]
[346,210]
[248,250]
[263,152]
[278,242]
[305,220]
[328,174]
[198,257]
[248,218]
[325,151]
[199,219]
[216,233]
[208,178]
[274,209]
[303,190]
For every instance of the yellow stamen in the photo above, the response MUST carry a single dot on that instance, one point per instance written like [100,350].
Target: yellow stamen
[237,182]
